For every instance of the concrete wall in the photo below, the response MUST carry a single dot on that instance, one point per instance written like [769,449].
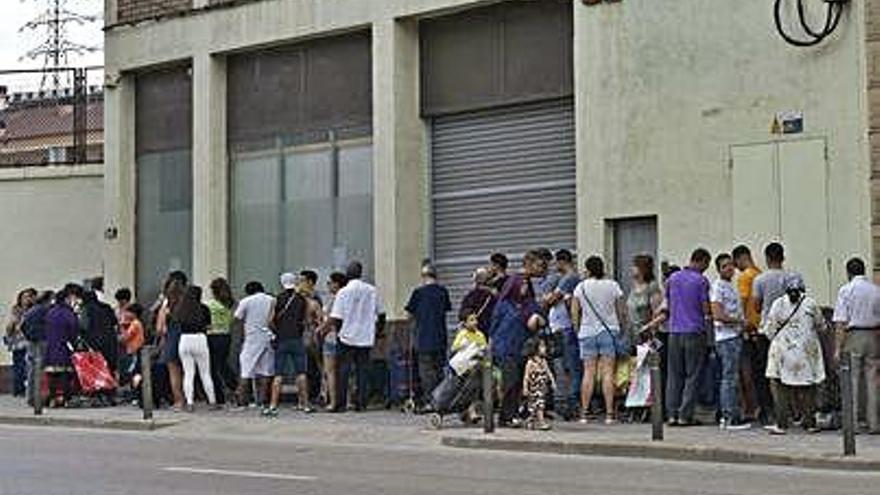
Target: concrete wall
[662,94]
[51,228]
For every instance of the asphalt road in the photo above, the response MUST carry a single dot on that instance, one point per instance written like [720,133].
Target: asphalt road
[50,461]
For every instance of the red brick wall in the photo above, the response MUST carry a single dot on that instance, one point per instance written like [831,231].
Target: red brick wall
[136,10]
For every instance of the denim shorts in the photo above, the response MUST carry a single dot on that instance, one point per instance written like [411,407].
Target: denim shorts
[603,345]
[330,347]
[290,358]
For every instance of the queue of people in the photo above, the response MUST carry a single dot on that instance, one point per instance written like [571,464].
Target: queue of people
[562,341]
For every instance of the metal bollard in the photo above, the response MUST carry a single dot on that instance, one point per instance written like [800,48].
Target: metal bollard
[657,393]
[36,383]
[488,393]
[849,415]
[147,382]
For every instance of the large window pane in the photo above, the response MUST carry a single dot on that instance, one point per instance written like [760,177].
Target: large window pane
[301,207]
[163,135]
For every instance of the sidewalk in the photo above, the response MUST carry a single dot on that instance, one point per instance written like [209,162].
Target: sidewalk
[704,443]
[392,428]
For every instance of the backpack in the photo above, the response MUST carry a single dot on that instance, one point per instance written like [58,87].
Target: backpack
[33,324]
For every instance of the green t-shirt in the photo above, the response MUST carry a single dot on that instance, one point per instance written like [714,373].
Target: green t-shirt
[221,318]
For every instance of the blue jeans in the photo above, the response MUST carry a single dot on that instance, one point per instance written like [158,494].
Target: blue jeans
[729,352]
[569,371]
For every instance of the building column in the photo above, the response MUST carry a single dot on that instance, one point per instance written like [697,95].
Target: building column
[400,162]
[210,170]
[119,181]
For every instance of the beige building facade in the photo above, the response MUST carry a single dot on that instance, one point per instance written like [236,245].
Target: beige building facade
[613,129]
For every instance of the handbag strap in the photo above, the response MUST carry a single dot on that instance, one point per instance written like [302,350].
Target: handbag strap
[593,308]
[791,316]
[484,306]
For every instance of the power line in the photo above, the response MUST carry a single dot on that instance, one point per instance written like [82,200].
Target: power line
[56,47]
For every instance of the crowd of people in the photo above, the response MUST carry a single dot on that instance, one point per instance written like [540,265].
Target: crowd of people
[562,341]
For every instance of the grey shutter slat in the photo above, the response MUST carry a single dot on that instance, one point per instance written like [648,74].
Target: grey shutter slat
[502,180]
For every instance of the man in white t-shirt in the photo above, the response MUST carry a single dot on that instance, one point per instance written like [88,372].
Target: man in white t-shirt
[729,319]
[257,357]
[359,318]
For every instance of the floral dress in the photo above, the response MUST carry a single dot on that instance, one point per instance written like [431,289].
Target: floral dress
[538,382]
[795,356]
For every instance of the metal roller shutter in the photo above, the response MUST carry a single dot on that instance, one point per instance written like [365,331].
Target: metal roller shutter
[502,180]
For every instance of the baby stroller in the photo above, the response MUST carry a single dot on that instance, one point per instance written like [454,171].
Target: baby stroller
[461,386]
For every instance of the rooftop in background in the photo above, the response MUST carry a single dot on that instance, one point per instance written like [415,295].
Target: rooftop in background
[42,127]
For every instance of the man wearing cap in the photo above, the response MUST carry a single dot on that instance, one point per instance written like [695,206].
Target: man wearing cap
[289,323]
[428,306]
[857,318]
[358,317]
[794,362]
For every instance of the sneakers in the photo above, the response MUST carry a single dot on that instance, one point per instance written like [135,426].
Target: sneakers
[728,425]
[269,412]
[774,430]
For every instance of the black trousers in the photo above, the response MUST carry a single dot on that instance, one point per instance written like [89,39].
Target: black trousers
[357,360]
[511,387]
[756,350]
[430,372]
[221,372]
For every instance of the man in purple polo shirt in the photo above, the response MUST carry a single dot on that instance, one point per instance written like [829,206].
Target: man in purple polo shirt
[688,299]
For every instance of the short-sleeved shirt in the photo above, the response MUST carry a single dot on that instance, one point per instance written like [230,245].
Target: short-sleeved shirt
[255,310]
[221,318]
[358,305]
[559,317]
[744,284]
[725,294]
[429,304]
[688,293]
[858,304]
[767,288]
[603,295]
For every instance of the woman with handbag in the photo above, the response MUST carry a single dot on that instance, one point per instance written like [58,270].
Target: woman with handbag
[794,362]
[598,310]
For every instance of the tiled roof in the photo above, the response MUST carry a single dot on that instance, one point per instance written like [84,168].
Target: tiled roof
[28,122]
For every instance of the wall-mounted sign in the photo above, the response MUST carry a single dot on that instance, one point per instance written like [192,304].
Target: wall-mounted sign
[788,122]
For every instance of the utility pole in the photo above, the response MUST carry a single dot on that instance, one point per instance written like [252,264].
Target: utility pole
[56,47]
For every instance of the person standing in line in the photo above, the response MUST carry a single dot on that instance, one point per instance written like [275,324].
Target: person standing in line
[330,344]
[513,319]
[427,307]
[194,319]
[222,307]
[257,358]
[645,300]
[749,379]
[359,318]
[498,264]
[123,299]
[62,329]
[688,299]
[479,301]
[599,312]
[568,367]
[794,363]
[16,342]
[538,382]
[729,318]
[131,340]
[767,287]
[169,333]
[101,331]
[33,326]
[289,324]
[308,288]
[857,318]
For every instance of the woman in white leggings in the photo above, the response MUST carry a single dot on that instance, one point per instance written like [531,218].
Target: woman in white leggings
[194,319]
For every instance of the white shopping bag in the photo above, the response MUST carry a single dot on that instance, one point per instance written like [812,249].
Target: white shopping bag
[465,359]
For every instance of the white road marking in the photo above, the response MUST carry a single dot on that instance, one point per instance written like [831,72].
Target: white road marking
[239,474]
